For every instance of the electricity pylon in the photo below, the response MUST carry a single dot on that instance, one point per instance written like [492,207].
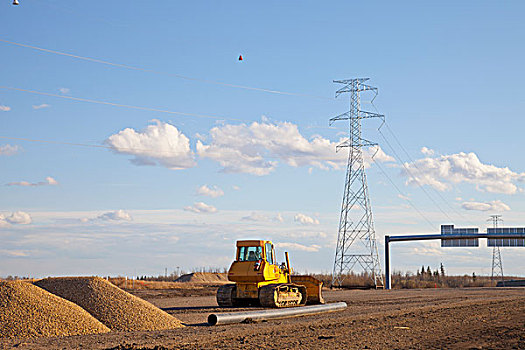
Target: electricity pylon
[356,240]
[497,263]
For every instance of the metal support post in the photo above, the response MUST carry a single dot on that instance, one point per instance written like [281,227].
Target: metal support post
[388,284]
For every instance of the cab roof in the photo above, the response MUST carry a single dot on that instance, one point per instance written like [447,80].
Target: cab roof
[252,243]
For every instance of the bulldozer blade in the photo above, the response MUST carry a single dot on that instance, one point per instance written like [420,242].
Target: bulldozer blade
[313,288]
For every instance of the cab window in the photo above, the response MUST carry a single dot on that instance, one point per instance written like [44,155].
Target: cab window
[250,253]
[269,255]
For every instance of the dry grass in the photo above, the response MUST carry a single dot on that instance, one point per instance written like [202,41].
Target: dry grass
[408,280]
[124,283]
[191,280]
[27,311]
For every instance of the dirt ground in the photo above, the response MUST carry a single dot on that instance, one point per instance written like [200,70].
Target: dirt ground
[474,318]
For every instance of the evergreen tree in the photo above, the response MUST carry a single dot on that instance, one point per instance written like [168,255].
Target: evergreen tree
[442,269]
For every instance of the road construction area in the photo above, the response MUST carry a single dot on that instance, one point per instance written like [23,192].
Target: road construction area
[473,318]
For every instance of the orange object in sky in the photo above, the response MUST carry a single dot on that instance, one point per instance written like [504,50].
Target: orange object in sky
[240,57]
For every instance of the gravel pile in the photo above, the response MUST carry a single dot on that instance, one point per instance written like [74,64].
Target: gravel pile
[27,311]
[112,306]
[203,277]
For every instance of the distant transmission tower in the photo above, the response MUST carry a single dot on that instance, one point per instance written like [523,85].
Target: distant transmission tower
[497,264]
[356,240]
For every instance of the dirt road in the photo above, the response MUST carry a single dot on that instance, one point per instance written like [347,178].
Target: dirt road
[484,318]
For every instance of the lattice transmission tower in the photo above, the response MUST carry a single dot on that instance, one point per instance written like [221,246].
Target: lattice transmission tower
[497,263]
[356,240]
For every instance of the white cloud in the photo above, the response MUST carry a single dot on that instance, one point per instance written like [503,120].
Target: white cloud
[201,207]
[5,108]
[297,246]
[255,217]
[8,150]
[117,215]
[21,183]
[496,205]
[406,198]
[236,188]
[426,251]
[49,181]
[57,243]
[64,90]
[427,151]
[16,218]
[257,148]
[160,143]
[14,253]
[199,136]
[305,219]
[441,171]
[43,105]
[378,155]
[212,191]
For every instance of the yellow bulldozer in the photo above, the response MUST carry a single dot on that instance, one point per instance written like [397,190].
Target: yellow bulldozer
[260,280]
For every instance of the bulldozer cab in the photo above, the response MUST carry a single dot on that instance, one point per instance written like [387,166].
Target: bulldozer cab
[255,251]
[255,264]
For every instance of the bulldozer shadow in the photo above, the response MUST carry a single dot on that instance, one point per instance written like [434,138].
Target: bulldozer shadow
[244,307]
[194,308]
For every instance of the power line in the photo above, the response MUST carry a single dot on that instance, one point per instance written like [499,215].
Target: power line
[402,194]
[114,104]
[121,105]
[107,104]
[180,76]
[420,171]
[119,149]
[146,150]
[412,176]
[55,142]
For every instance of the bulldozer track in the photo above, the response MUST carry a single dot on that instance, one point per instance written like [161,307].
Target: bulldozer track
[225,295]
[282,295]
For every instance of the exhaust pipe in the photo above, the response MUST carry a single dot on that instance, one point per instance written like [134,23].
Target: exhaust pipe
[249,316]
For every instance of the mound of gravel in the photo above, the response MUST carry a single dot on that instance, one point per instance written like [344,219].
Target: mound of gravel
[27,311]
[203,277]
[112,306]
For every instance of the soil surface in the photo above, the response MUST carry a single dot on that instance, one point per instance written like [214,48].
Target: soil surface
[474,318]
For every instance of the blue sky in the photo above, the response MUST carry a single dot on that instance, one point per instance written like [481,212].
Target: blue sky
[450,84]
